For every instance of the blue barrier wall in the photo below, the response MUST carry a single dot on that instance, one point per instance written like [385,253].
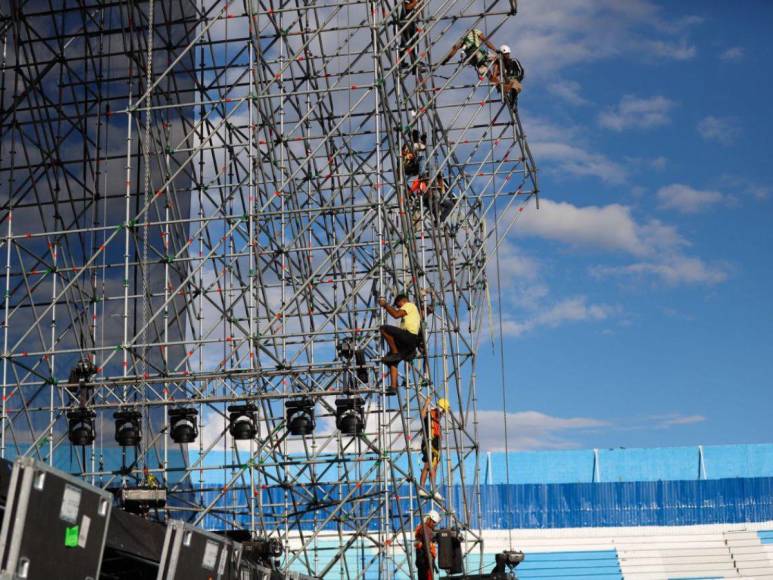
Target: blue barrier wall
[657,503]
[558,505]
[607,465]
[556,489]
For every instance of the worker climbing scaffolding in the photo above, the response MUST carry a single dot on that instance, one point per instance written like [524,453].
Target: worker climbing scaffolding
[503,71]
[473,45]
[431,444]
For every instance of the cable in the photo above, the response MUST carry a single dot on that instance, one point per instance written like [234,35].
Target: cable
[502,369]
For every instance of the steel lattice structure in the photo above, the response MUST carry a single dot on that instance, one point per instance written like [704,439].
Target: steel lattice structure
[204,199]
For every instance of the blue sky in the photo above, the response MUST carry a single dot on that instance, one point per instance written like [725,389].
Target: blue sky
[637,302]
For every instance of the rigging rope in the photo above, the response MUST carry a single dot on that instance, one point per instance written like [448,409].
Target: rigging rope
[502,366]
[145,233]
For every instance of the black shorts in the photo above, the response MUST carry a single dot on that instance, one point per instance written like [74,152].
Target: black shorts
[434,453]
[406,341]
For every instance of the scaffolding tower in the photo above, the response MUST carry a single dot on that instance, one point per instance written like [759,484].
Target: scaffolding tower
[202,202]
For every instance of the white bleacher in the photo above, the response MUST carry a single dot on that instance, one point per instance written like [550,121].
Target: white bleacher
[658,553]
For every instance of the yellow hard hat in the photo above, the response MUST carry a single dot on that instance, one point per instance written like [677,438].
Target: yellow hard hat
[444,404]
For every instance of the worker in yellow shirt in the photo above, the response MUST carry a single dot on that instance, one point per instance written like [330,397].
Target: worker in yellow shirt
[404,340]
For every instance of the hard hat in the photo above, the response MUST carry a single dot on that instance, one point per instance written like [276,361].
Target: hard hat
[504,49]
[444,404]
[434,516]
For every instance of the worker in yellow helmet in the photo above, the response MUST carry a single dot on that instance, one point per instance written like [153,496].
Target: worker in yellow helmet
[431,443]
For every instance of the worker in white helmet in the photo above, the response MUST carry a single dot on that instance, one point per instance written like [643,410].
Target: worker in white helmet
[431,443]
[507,74]
[426,547]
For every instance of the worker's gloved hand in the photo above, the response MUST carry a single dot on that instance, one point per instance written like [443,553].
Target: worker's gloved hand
[382,301]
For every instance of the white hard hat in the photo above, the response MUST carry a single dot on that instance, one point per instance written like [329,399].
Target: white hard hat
[434,516]
[504,49]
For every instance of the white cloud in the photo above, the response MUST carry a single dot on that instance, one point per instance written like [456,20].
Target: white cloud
[514,264]
[554,34]
[732,54]
[686,199]
[531,430]
[568,91]
[579,162]
[658,246]
[609,227]
[723,130]
[563,147]
[575,309]
[674,270]
[636,112]
[679,50]
[674,420]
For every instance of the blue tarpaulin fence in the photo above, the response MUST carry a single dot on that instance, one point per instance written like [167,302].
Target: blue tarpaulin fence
[648,503]
[558,505]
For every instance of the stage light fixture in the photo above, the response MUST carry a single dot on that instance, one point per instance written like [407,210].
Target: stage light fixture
[80,427]
[242,421]
[300,416]
[128,428]
[182,425]
[350,415]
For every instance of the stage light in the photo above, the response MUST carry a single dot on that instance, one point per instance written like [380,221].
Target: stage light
[128,428]
[300,416]
[346,351]
[263,551]
[80,425]
[350,415]
[182,425]
[242,421]
[505,565]
[79,383]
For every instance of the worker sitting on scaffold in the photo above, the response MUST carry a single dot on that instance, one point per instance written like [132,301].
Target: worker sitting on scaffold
[507,74]
[431,444]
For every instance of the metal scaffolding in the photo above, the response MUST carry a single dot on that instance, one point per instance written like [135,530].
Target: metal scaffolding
[201,203]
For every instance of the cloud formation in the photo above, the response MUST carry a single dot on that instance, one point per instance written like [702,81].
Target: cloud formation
[638,113]
[658,247]
[732,54]
[533,430]
[609,227]
[722,130]
[575,309]
[673,269]
[563,147]
[555,34]
[685,199]
[568,91]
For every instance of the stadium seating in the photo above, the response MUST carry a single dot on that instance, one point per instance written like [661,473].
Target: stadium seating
[643,553]
[576,565]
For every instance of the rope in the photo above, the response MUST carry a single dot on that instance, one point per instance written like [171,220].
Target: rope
[145,232]
[502,368]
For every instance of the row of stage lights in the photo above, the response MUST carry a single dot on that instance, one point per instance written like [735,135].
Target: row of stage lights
[242,422]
